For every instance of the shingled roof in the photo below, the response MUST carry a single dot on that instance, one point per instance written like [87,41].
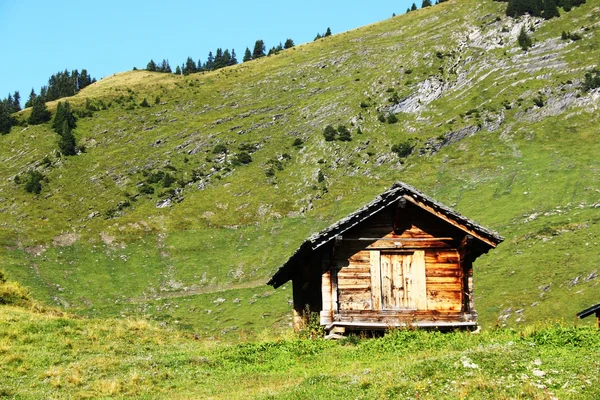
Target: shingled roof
[390,196]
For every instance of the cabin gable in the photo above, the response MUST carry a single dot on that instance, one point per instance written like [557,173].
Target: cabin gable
[405,263]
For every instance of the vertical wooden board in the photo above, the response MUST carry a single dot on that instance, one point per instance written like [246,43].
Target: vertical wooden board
[419,280]
[334,289]
[375,280]
[326,290]
[386,282]
[408,266]
[397,281]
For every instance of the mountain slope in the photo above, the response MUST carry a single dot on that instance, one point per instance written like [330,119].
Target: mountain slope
[506,137]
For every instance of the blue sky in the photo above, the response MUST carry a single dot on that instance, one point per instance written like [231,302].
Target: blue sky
[43,37]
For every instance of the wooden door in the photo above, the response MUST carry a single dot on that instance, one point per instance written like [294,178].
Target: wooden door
[398,281]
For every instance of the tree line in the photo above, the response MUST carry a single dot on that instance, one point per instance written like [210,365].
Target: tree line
[219,59]
[540,8]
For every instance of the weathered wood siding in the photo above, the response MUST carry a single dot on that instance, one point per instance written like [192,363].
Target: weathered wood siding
[399,262]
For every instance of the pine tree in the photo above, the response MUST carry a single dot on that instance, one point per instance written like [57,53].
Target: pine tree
[39,112]
[259,49]
[226,57]
[233,60]
[29,102]
[247,55]
[524,39]
[66,142]
[5,118]
[289,43]
[318,37]
[209,66]
[219,60]
[16,102]
[177,70]
[426,3]
[413,7]
[63,114]
[550,9]
[327,32]
[165,67]
[189,67]
[151,66]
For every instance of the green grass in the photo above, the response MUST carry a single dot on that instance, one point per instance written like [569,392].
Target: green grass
[55,356]
[93,244]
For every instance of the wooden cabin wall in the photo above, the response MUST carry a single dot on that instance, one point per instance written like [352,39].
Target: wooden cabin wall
[354,262]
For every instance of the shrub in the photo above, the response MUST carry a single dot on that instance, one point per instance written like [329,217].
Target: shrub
[34,182]
[524,40]
[329,133]
[391,118]
[320,176]
[364,104]
[344,134]
[144,103]
[168,180]
[298,142]
[242,158]
[403,149]
[144,188]
[538,101]
[381,117]
[220,149]
[155,177]
[591,80]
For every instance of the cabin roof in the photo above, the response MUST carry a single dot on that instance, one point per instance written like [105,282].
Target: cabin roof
[393,194]
[588,311]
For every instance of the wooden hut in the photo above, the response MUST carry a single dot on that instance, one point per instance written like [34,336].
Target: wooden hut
[403,259]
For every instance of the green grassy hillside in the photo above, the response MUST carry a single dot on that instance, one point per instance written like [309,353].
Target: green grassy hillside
[507,137]
[45,355]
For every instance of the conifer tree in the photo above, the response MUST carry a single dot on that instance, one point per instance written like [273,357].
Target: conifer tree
[259,49]
[165,67]
[247,55]
[189,66]
[32,96]
[233,60]
[426,3]
[289,43]
[219,61]
[63,114]
[66,142]
[16,106]
[209,66]
[39,112]
[151,66]
[524,39]
[328,32]
[550,9]
[178,70]
[5,118]
[413,7]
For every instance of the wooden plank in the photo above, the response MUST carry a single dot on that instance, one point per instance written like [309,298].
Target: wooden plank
[398,285]
[453,266]
[419,280]
[386,281]
[356,305]
[353,284]
[433,280]
[375,280]
[441,256]
[352,274]
[442,273]
[326,290]
[444,287]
